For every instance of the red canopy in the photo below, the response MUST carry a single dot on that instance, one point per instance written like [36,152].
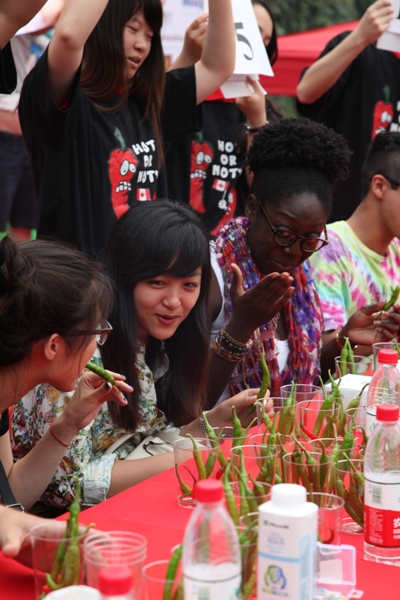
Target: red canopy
[296,51]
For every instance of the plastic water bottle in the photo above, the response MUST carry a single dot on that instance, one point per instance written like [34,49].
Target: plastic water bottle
[384,386]
[211,558]
[287,544]
[115,583]
[382,488]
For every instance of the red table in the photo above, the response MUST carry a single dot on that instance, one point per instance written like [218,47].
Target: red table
[152,510]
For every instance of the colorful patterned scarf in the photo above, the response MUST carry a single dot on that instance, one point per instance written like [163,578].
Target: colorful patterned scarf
[302,313]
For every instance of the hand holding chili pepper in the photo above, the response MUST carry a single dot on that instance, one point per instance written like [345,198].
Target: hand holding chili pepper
[264,384]
[365,326]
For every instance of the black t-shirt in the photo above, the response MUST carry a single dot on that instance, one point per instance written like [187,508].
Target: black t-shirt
[90,165]
[364,101]
[206,169]
[8,73]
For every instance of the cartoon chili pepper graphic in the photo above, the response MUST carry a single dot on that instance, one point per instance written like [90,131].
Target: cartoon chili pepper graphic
[383,114]
[202,155]
[122,165]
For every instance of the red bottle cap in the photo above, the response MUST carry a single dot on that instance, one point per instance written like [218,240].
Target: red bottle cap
[388,357]
[208,490]
[115,581]
[387,412]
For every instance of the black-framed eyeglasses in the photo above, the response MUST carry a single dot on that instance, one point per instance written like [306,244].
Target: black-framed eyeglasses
[285,238]
[101,333]
[391,180]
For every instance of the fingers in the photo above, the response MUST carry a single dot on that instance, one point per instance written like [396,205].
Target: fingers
[244,398]
[110,392]
[237,281]
[370,309]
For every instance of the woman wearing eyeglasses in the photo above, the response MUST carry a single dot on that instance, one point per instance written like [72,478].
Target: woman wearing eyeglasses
[51,302]
[266,300]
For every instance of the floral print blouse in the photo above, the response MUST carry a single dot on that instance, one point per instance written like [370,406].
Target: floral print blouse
[86,456]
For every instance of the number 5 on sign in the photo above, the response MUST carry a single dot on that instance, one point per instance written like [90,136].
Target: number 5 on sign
[251,57]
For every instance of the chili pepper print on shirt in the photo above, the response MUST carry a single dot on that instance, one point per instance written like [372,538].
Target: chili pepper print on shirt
[125,165]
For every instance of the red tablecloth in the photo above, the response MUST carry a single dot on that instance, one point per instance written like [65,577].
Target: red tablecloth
[151,509]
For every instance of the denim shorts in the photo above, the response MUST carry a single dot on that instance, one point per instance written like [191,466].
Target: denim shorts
[18,199]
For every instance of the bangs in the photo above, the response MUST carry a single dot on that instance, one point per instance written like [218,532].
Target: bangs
[152,11]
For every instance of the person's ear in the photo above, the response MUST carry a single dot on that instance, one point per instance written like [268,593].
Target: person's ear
[52,346]
[379,186]
[251,207]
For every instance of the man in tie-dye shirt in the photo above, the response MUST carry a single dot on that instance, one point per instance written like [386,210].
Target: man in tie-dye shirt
[361,264]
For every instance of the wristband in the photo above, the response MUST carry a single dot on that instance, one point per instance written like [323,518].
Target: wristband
[56,438]
[253,129]
[202,423]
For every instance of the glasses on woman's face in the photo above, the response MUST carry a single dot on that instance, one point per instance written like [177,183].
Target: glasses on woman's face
[285,238]
[101,333]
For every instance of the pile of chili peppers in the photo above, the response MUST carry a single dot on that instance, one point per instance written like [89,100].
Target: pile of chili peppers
[337,438]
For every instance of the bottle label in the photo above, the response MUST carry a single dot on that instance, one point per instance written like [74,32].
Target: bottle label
[382,513]
[228,589]
[371,420]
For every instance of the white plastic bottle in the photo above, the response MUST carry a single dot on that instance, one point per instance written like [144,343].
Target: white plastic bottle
[384,386]
[382,488]
[211,561]
[115,583]
[287,538]
[75,592]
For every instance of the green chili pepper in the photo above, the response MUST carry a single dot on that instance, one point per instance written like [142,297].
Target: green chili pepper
[179,592]
[250,583]
[392,300]
[237,428]
[198,459]
[287,416]
[302,471]
[266,378]
[335,453]
[343,361]
[350,357]
[185,489]
[324,465]
[397,347]
[312,468]
[230,496]
[171,572]
[325,407]
[72,565]
[214,440]
[102,373]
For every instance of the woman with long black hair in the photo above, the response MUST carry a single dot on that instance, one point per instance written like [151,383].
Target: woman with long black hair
[158,259]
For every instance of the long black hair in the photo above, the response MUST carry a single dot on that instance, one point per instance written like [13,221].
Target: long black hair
[104,61]
[159,238]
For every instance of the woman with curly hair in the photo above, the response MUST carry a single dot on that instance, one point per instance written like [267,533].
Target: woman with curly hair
[266,300]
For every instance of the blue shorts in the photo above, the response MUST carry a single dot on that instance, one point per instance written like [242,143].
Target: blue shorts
[18,199]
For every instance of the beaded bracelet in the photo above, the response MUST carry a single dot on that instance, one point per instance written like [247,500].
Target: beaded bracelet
[56,438]
[226,347]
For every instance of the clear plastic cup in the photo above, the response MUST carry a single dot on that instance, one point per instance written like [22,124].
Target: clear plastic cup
[44,550]
[309,476]
[313,421]
[114,549]
[330,511]
[256,460]
[304,391]
[346,482]
[186,468]
[249,524]
[261,491]
[381,346]
[155,585]
[361,365]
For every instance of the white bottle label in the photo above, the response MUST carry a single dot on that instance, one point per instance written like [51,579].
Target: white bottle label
[212,582]
[382,512]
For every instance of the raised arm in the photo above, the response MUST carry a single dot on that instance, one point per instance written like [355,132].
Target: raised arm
[14,14]
[218,58]
[76,22]
[325,72]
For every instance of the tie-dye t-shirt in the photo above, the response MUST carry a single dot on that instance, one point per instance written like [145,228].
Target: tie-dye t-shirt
[349,275]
